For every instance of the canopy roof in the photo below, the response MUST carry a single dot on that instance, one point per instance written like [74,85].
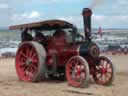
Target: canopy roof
[44,25]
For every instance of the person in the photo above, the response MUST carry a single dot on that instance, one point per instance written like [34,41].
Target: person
[25,36]
[58,33]
[59,37]
[125,50]
[77,36]
[38,34]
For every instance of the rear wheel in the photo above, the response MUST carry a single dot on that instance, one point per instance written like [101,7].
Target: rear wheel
[104,71]
[77,72]
[30,62]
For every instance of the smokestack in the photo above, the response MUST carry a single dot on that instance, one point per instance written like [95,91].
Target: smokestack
[87,13]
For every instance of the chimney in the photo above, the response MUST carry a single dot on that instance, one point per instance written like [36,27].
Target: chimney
[87,13]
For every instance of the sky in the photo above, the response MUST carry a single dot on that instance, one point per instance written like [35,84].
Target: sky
[106,13]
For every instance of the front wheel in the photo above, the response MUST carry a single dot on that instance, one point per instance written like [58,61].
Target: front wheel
[104,71]
[77,72]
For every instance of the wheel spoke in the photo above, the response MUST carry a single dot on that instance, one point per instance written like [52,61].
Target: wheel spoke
[101,63]
[99,75]
[109,72]
[29,74]
[98,71]
[71,66]
[104,64]
[103,77]
[82,67]
[32,69]
[83,75]
[23,54]
[107,64]
[22,59]
[35,61]
[32,52]
[34,55]
[77,62]
[25,68]
[22,64]
[27,51]
[107,76]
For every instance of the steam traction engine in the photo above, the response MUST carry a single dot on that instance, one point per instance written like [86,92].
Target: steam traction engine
[55,49]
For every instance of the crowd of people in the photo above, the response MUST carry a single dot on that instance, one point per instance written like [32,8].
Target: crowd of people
[120,51]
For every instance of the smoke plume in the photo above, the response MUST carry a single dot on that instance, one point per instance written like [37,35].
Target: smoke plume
[95,3]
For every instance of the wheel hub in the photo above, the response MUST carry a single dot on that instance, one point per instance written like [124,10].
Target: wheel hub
[104,70]
[78,72]
[28,62]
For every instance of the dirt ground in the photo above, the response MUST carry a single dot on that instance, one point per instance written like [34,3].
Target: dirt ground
[11,86]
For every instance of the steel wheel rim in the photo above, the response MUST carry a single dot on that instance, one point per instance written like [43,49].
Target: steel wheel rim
[27,62]
[103,71]
[76,72]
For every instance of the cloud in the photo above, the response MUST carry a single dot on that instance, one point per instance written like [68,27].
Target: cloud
[76,20]
[37,0]
[110,13]
[32,15]
[3,6]
[112,7]
[70,18]
[99,20]
[51,0]
[110,21]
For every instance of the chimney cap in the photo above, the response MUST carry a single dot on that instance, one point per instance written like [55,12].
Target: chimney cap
[87,12]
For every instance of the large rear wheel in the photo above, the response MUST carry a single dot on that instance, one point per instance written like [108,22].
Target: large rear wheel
[104,71]
[30,62]
[77,72]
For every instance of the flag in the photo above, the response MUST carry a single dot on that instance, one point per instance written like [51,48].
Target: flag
[100,32]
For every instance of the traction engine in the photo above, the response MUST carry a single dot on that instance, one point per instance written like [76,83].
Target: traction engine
[55,49]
